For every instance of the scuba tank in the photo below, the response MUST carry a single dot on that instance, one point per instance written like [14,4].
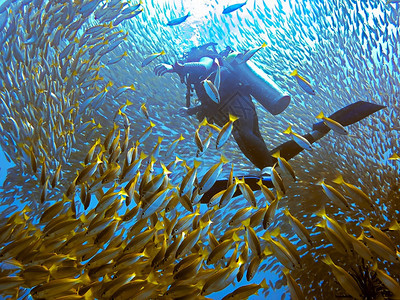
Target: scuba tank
[261,87]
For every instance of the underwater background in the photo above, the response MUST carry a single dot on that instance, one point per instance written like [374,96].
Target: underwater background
[72,91]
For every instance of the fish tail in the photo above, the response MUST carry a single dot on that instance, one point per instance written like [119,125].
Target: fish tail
[294,73]
[320,115]
[204,122]
[321,212]
[196,163]
[366,223]
[288,130]
[339,180]
[277,154]
[263,283]
[286,211]
[328,260]
[232,118]
[239,181]
[260,182]
[224,159]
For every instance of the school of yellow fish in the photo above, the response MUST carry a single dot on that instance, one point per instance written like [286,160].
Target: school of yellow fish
[111,192]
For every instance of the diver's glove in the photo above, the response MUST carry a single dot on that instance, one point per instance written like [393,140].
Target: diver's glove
[183,111]
[266,172]
[161,69]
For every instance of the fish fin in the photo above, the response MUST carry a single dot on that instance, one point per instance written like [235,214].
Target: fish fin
[294,73]
[276,232]
[267,236]
[236,238]
[162,52]
[246,223]
[321,224]
[267,252]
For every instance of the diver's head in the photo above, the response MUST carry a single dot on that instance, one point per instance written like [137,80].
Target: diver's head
[206,50]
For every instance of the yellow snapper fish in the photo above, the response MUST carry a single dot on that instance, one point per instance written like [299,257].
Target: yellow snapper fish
[284,165]
[379,234]
[173,145]
[348,283]
[225,131]
[144,111]
[387,280]
[300,140]
[357,194]
[332,124]
[225,195]
[146,133]
[281,253]
[246,291]
[298,227]
[221,249]
[338,243]
[152,57]
[334,195]
[294,288]
[211,176]
[304,84]
[249,53]
[188,181]
[247,192]
[268,195]
[211,90]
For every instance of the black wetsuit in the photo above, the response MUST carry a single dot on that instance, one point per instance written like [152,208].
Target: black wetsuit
[235,99]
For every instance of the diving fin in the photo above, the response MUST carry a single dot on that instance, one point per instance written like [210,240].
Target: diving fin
[350,114]
[346,116]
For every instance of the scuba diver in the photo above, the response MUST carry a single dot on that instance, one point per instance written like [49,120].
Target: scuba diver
[240,80]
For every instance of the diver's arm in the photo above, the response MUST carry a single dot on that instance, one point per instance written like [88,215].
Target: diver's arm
[185,111]
[204,65]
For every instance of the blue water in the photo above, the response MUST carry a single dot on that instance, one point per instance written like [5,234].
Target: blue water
[346,50]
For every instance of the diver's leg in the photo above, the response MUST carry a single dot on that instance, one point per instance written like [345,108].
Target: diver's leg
[253,146]
[346,116]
